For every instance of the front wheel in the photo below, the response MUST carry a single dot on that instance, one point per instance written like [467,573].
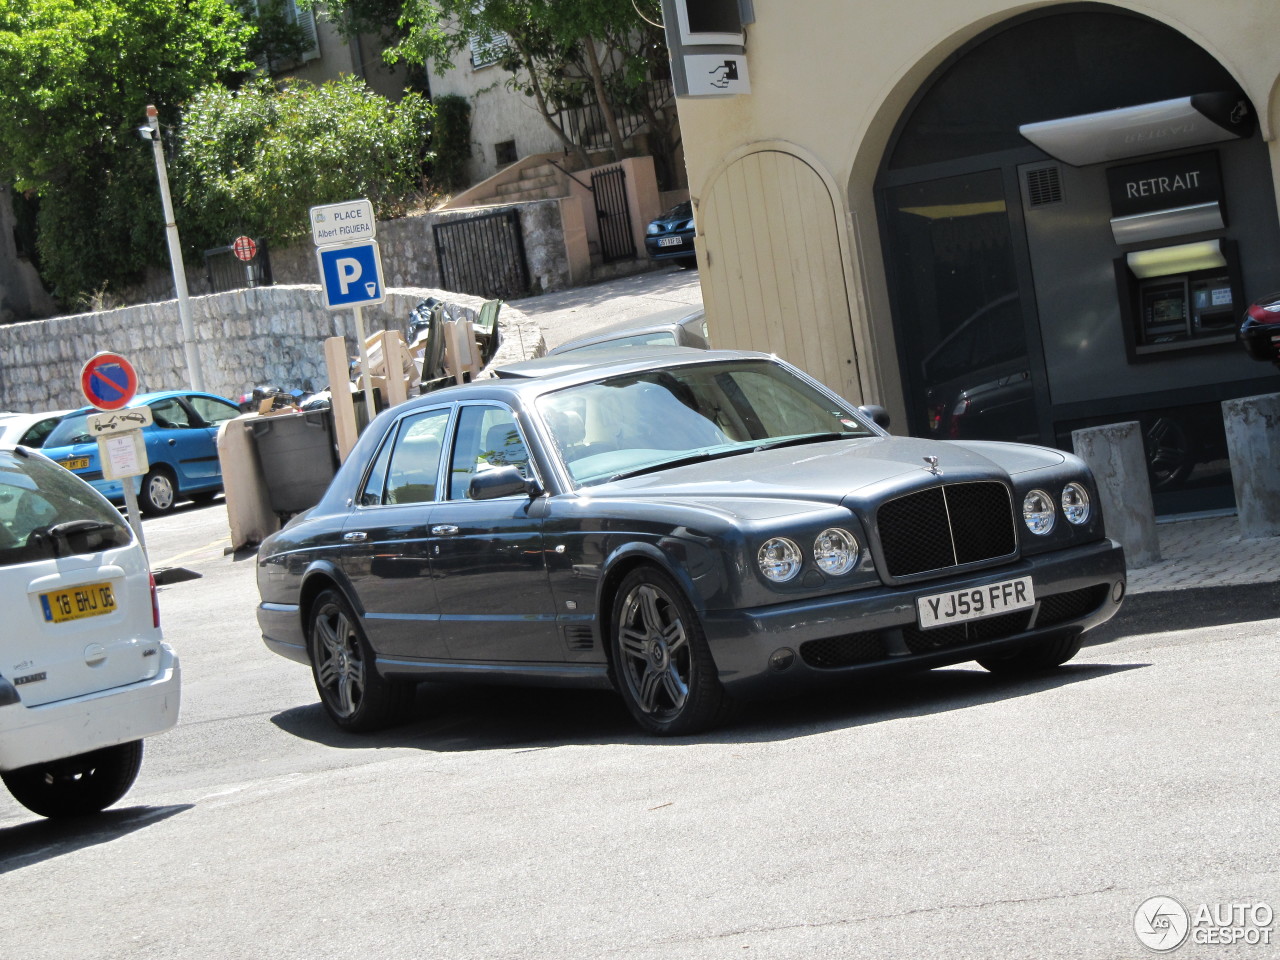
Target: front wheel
[1050,652]
[76,786]
[663,667]
[354,694]
[159,492]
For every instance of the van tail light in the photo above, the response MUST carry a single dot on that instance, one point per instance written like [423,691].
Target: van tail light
[155,601]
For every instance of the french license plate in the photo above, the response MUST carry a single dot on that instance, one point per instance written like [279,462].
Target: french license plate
[91,600]
[671,241]
[974,603]
[78,463]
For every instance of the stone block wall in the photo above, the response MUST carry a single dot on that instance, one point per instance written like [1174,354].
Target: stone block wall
[245,337]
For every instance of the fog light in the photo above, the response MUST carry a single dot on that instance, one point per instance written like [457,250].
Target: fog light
[1117,592]
[781,659]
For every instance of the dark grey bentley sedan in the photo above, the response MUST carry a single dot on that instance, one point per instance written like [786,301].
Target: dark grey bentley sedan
[682,526]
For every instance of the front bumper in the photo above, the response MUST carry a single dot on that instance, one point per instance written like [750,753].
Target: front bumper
[66,728]
[677,251]
[875,629]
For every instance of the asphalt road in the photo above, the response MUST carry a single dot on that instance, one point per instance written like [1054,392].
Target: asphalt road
[948,815]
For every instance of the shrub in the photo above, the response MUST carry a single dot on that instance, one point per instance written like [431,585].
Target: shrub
[451,142]
[252,161]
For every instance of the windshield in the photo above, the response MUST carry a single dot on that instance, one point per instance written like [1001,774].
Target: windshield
[631,424]
[73,429]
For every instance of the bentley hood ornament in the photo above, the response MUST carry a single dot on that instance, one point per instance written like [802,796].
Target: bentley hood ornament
[931,464]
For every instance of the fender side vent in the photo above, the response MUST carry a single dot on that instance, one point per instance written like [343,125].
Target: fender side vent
[579,639]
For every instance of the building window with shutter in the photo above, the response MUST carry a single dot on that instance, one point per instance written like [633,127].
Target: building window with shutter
[487,48]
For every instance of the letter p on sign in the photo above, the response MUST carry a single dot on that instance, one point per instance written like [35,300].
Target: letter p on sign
[351,274]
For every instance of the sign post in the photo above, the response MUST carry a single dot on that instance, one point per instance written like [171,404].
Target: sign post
[245,249]
[109,383]
[350,268]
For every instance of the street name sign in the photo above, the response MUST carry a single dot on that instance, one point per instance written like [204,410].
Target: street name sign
[343,222]
[351,274]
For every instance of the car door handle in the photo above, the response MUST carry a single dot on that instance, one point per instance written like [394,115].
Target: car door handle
[444,530]
[356,536]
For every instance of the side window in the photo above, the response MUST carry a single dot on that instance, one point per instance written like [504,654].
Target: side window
[414,465]
[170,414]
[213,411]
[486,438]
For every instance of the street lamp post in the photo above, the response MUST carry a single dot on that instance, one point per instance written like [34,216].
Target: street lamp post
[152,132]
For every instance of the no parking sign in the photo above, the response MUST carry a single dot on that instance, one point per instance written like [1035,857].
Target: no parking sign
[108,381]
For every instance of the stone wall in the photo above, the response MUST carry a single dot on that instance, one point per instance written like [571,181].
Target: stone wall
[408,251]
[246,337]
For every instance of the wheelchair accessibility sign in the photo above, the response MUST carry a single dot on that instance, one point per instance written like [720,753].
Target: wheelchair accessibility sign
[351,274]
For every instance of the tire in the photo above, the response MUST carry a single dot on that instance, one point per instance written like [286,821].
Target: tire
[662,665]
[1045,654]
[159,491]
[356,697]
[77,786]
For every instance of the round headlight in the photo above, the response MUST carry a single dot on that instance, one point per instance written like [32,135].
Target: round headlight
[779,559]
[1037,511]
[1075,503]
[836,551]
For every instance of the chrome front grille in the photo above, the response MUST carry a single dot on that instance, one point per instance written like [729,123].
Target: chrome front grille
[949,526]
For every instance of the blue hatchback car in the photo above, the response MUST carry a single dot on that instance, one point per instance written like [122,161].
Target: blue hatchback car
[181,449]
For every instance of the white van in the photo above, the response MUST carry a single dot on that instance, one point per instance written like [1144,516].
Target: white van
[85,674]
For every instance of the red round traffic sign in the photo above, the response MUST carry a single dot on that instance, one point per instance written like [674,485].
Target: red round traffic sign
[108,381]
[244,248]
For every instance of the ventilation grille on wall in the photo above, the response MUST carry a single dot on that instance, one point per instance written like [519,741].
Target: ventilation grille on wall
[1044,186]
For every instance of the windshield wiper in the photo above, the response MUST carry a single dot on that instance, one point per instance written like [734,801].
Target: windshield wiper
[680,462]
[797,441]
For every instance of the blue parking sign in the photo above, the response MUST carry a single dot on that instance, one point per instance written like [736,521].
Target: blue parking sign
[351,274]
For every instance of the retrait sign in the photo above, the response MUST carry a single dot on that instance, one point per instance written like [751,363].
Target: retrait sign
[1165,184]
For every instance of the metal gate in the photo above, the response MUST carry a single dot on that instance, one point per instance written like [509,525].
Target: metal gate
[613,215]
[483,256]
[225,271]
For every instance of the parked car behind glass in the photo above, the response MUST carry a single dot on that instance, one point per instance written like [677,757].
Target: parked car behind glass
[181,449]
[28,429]
[84,672]
[682,526]
[670,236]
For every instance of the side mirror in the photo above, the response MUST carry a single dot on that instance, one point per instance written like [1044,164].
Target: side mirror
[502,482]
[876,414]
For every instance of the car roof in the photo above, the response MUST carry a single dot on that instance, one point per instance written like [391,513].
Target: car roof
[601,362]
[650,323]
[160,395]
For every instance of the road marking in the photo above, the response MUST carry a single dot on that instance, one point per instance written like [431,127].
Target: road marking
[173,561]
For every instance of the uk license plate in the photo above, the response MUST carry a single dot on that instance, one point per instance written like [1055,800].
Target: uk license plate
[974,603]
[670,241]
[76,463]
[76,603]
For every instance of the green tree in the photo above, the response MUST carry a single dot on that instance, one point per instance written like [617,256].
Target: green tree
[75,79]
[252,161]
[561,53]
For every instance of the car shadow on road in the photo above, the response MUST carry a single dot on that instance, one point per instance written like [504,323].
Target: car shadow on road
[449,718]
[1189,608]
[40,840]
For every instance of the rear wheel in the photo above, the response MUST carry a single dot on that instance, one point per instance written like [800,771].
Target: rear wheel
[1048,653]
[77,786]
[663,667]
[354,694]
[159,491]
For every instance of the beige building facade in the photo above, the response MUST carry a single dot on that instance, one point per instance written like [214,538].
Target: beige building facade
[924,205]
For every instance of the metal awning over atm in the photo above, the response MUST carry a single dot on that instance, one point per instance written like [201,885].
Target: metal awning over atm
[1143,129]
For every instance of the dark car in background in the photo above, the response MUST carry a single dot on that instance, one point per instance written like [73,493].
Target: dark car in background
[182,449]
[681,526]
[670,236]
